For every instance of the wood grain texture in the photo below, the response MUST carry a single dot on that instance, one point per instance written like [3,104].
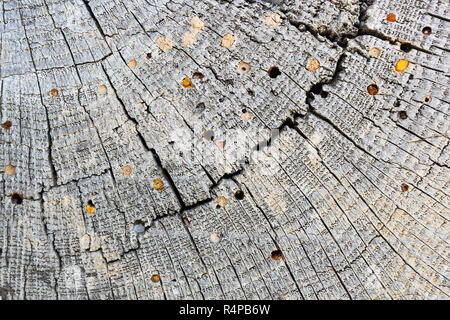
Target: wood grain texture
[156,149]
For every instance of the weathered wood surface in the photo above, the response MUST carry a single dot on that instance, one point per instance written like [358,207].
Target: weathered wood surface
[353,188]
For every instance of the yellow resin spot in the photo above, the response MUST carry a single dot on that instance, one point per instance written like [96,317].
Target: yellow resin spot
[197,25]
[10,170]
[126,170]
[401,65]
[164,43]
[187,83]
[102,89]
[313,64]
[90,208]
[158,184]
[227,40]
[188,39]
[246,115]
[132,63]
[272,20]
[222,201]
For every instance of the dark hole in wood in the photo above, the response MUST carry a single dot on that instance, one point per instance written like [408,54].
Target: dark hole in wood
[220,99]
[251,93]
[402,115]
[372,89]
[273,72]
[90,203]
[317,88]
[404,187]
[197,75]
[406,47]
[324,94]
[277,255]
[17,198]
[397,103]
[244,110]
[239,194]
[139,226]
[426,31]
[149,55]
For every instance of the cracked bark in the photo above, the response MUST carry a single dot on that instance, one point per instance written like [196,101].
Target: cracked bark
[326,188]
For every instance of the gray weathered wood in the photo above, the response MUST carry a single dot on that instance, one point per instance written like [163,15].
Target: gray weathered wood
[345,195]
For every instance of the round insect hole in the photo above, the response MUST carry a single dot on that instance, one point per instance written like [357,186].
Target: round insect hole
[277,255]
[148,56]
[139,226]
[197,75]
[273,72]
[372,89]
[427,99]
[17,198]
[426,31]
[402,115]
[317,88]
[404,187]
[239,194]
[324,94]
[406,47]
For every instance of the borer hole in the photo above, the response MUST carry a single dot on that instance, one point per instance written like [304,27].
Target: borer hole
[17,198]
[277,255]
[239,194]
[427,99]
[426,31]
[406,47]
[372,89]
[197,75]
[402,115]
[317,88]
[273,72]
[404,187]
